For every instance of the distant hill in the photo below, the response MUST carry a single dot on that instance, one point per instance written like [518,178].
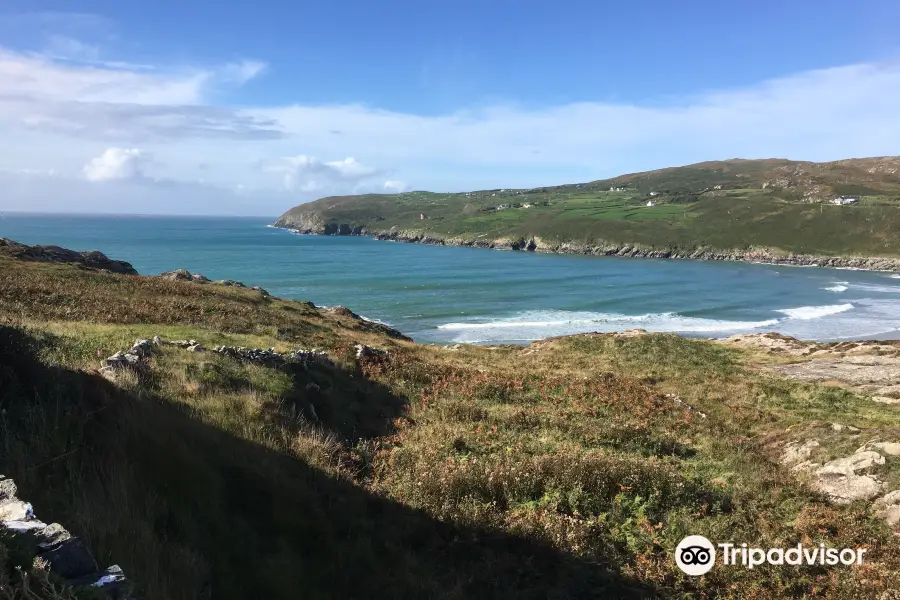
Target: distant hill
[774,206]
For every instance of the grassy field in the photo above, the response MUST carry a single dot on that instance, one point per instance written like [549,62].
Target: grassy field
[556,470]
[734,205]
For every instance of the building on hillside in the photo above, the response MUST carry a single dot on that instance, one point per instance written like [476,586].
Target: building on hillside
[422,216]
[650,203]
[654,194]
[844,200]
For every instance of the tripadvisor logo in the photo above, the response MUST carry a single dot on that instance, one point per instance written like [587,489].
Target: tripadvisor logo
[696,555]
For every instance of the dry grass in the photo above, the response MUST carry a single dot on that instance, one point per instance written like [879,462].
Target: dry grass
[560,470]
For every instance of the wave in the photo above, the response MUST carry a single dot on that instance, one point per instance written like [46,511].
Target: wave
[895,276]
[815,312]
[535,325]
[839,286]
[539,324]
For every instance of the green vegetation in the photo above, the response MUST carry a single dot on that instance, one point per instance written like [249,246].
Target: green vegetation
[556,470]
[779,205]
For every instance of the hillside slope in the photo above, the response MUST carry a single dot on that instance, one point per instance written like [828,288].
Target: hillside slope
[570,468]
[739,207]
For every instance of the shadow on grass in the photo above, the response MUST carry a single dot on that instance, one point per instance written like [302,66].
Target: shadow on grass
[191,511]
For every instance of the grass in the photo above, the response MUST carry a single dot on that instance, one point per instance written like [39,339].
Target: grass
[690,211]
[556,470]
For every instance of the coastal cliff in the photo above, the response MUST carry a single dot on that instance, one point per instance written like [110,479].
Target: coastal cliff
[840,214]
[537,244]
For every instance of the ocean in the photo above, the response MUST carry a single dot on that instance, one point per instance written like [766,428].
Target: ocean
[443,295]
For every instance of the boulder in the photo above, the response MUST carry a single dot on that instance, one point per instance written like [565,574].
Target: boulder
[843,487]
[111,580]
[859,461]
[888,448]
[847,428]
[230,283]
[142,348]
[7,488]
[176,275]
[198,278]
[888,507]
[13,509]
[51,536]
[840,480]
[70,558]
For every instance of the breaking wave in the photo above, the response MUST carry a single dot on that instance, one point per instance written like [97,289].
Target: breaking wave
[534,325]
[815,312]
[539,324]
[839,286]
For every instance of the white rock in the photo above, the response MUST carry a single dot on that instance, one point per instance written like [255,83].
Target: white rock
[891,514]
[888,448]
[15,510]
[839,427]
[795,452]
[843,486]
[855,462]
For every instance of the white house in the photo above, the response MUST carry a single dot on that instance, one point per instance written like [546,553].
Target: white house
[650,203]
[843,200]
[654,194]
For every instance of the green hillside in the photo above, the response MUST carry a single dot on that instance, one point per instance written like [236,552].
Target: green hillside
[567,469]
[780,205]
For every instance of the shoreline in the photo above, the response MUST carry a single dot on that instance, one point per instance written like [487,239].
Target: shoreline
[536,244]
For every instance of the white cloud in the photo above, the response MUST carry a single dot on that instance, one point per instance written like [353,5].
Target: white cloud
[242,72]
[116,164]
[309,174]
[394,186]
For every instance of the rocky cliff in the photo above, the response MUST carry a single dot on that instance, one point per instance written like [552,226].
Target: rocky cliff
[538,244]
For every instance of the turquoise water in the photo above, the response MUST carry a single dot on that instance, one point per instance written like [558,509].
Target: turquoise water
[446,294]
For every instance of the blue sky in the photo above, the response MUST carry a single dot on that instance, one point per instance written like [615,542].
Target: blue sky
[249,108]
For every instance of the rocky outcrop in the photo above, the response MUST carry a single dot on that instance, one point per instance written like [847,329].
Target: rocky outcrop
[849,478]
[66,555]
[537,244]
[92,259]
[869,367]
[364,323]
[185,275]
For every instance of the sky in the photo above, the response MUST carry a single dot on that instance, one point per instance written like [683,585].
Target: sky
[250,108]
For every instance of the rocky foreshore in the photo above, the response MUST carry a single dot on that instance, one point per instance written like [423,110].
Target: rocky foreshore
[537,244]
